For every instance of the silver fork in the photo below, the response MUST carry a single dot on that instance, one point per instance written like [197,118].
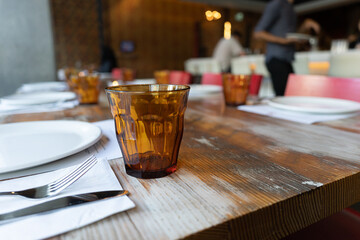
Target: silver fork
[58,185]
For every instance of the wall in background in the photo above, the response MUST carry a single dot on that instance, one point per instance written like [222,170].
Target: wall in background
[76,33]
[164,32]
[26,43]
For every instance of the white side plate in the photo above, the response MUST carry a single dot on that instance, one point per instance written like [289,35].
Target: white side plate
[316,105]
[29,144]
[37,98]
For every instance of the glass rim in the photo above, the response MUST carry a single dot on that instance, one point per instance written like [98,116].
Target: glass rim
[111,88]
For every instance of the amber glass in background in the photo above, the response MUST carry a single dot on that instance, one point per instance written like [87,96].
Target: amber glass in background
[149,122]
[162,77]
[236,88]
[85,85]
[128,74]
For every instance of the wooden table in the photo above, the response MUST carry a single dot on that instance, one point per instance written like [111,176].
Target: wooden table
[240,176]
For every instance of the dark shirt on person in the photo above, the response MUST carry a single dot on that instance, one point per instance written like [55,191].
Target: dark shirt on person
[353,44]
[279,18]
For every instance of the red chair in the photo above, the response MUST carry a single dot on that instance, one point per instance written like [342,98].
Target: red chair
[323,86]
[255,84]
[116,73]
[211,79]
[179,77]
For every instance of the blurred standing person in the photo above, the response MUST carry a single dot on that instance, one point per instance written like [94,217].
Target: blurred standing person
[108,59]
[279,19]
[226,49]
[354,39]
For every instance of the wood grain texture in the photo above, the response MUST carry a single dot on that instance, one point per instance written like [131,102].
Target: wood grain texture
[350,124]
[240,176]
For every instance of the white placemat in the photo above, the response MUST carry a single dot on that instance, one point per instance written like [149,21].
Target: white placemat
[47,224]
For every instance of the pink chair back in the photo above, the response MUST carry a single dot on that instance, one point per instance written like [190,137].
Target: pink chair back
[179,77]
[323,86]
[255,83]
[211,79]
[116,73]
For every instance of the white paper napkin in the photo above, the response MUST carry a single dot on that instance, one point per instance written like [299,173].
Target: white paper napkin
[44,225]
[305,118]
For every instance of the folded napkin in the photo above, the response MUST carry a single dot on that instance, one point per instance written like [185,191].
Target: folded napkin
[44,225]
[306,118]
[6,109]
[42,86]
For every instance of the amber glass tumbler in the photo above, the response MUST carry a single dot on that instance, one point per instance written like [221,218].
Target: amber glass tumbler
[86,86]
[236,88]
[149,123]
[162,76]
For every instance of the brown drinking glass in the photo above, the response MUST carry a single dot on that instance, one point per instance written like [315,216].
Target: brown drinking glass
[236,88]
[149,122]
[86,86]
[162,76]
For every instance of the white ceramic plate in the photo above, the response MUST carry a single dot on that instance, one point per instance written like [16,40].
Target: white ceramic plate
[29,144]
[299,36]
[203,90]
[37,98]
[317,105]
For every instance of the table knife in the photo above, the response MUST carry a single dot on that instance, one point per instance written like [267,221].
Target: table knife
[60,203]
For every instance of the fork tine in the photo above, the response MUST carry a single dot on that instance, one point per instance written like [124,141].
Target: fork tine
[73,176]
[89,159]
[79,170]
[68,182]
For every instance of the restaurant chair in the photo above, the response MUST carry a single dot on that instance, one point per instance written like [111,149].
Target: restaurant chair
[211,79]
[318,63]
[116,73]
[179,77]
[197,66]
[241,65]
[345,64]
[257,62]
[323,86]
[301,62]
